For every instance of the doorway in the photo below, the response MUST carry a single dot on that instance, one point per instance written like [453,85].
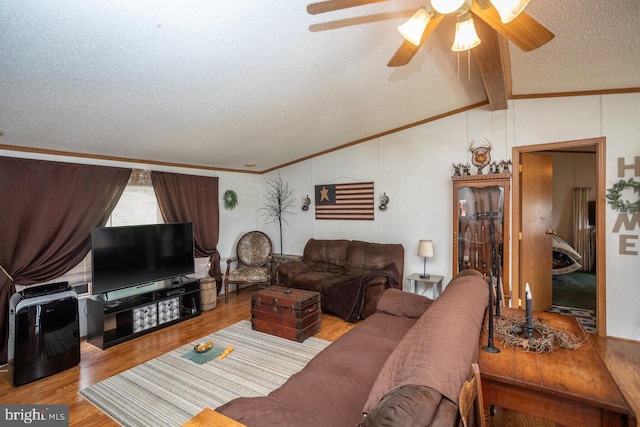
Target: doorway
[597,146]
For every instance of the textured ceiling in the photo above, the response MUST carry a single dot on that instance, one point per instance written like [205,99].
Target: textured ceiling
[223,83]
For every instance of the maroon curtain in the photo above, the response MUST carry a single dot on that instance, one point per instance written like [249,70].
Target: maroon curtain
[48,209]
[193,198]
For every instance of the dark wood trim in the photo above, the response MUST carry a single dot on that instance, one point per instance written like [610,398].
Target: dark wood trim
[577,93]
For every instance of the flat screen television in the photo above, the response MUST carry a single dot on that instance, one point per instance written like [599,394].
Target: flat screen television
[128,256]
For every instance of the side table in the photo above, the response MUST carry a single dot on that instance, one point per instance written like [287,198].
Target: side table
[567,387]
[433,280]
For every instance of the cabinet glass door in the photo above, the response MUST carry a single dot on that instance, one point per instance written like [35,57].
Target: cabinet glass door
[480,226]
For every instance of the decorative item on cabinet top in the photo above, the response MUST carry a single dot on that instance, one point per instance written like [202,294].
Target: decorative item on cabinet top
[495,168]
[481,155]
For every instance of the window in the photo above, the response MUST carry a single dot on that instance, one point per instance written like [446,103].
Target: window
[137,205]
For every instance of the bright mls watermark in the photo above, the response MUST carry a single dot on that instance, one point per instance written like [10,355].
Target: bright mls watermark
[34,415]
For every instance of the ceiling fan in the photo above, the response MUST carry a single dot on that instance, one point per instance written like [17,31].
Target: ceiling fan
[504,16]
[499,21]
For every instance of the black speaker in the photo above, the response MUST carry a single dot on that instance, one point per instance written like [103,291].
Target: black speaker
[44,332]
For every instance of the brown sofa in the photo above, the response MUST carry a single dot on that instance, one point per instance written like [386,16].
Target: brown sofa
[402,366]
[360,271]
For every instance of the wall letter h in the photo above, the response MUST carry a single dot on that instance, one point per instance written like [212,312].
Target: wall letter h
[622,167]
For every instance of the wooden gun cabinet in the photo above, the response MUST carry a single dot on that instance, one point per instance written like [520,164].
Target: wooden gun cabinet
[481,205]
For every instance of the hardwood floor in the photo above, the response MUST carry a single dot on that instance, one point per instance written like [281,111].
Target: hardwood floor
[623,358]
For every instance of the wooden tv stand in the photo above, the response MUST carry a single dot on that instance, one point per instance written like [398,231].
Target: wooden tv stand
[112,323]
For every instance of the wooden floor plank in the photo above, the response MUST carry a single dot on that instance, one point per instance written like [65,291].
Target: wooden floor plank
[623,358]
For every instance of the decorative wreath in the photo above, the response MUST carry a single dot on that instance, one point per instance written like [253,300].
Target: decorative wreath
[510,331]
[616,192]
[230,199]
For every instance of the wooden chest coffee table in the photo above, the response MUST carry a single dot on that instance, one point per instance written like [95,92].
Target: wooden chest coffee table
[294,316]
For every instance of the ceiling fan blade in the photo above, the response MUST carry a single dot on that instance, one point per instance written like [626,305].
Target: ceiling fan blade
[407,50]
[527,33]
[331,5]
[349,22]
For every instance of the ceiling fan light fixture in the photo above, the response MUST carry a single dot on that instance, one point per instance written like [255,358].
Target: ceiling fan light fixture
[466,36]
[448,6]
[413,29]
[509,9]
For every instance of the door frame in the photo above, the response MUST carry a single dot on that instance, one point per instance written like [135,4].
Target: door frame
[516,221]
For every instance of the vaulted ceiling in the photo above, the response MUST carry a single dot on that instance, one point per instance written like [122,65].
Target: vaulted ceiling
[224,83]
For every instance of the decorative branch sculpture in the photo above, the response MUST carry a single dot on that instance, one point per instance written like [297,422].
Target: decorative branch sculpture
[278,202]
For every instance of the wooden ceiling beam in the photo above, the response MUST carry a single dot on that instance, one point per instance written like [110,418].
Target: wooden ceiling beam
[494,65]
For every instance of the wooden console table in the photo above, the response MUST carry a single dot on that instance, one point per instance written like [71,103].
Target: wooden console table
[569,387]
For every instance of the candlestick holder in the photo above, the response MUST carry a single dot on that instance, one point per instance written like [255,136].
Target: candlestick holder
[498,288]
[490,348]
[528,327]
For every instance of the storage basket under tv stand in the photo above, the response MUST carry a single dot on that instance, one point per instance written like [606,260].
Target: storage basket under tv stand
[115,322]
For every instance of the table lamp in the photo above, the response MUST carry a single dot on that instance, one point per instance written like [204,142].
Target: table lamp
[425,250]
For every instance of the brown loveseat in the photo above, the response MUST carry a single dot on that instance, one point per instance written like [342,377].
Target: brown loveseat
[402,366]
[349,274]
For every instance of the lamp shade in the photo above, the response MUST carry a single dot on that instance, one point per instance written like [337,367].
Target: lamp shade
[425,248]
[509,9]
[413,29]
[447,6]
[466,37]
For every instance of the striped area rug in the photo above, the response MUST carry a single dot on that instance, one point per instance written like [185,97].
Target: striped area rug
[170,389]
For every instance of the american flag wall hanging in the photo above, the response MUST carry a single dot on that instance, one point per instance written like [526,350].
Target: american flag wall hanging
[345,201]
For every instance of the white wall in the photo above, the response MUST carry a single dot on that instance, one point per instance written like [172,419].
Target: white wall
[414,168]
[621,126]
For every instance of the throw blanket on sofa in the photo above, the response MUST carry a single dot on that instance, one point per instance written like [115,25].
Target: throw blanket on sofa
[346,297]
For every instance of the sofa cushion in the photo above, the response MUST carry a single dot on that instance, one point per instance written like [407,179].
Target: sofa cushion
[315,281]
[399,303]
[334,385]
[292,268]
[249,274]
[412,406]
[326,255]
[439,348]
[363,257]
